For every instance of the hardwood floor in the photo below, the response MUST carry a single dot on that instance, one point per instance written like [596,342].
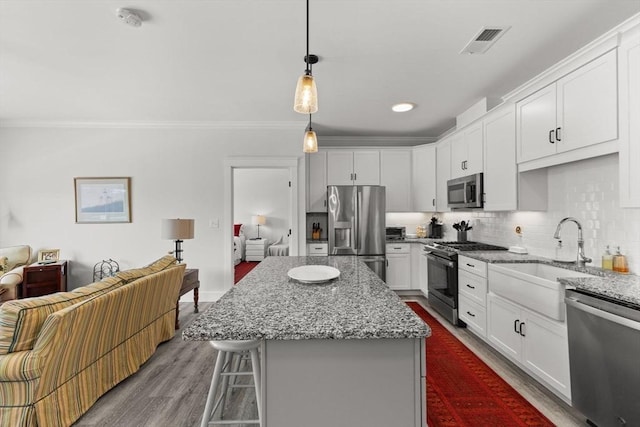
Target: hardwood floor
[171,388]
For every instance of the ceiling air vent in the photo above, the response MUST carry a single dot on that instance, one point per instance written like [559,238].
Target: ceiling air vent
[484,39]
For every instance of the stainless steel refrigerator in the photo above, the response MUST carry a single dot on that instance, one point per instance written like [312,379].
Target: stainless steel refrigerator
[357,223]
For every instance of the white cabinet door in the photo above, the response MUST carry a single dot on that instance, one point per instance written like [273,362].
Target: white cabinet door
[395,175]
[500,168]
[317,182]
[546,351]
[339,167]
[423,182]
[579,110]
[588,104]
[416,252]
[503,326]
[424,274]
[443,174]
[536,124]
[629,90]
[398,266]
[366,167]
[458,155]
[473,139]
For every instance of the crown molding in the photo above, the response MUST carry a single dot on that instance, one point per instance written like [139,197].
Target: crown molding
[373,141]
[230,125]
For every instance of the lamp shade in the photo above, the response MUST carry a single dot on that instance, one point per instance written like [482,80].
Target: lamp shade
[306,98]
[258,220]
[177,229]
[310,144]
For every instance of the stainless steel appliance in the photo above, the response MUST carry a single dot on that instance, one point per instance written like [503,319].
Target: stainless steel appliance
[465,192]
[357,223]
[396,233]
[604,349]
[442,274]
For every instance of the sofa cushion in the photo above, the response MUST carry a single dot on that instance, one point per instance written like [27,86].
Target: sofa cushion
[21,320]
[158,265]
[16,255]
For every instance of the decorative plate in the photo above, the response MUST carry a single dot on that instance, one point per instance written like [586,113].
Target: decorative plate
[313,273]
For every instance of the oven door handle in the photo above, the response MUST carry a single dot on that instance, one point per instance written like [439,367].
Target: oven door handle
[439,260]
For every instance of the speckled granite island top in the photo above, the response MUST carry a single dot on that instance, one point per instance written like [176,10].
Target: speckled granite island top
[622,287]
[266,304]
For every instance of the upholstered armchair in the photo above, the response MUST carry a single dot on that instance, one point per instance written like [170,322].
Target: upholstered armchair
[12,261]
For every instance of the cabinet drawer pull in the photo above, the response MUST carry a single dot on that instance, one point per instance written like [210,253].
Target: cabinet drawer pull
[551,136]
[396,248]
[471,314]
[320,248]
[470,287]
[558,134]
[515,326]
[520,330]
[471,265]
[355,176]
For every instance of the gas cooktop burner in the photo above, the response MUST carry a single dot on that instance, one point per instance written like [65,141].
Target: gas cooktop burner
[468,246]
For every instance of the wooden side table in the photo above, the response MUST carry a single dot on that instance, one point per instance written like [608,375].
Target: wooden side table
[44,279]
[190,282]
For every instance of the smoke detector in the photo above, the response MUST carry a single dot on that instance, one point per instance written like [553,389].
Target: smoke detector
[129,17]
[484,39]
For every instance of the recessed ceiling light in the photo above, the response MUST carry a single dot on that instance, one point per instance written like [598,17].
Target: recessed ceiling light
[403,107]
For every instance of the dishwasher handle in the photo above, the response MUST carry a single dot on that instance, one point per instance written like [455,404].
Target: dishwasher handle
[571,302]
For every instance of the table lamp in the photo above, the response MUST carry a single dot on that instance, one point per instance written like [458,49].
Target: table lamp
[258,220]
[178,230]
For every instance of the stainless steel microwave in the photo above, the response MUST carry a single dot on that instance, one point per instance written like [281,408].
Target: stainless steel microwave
[465,192]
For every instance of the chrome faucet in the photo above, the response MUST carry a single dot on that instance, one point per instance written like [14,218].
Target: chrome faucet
[581,259]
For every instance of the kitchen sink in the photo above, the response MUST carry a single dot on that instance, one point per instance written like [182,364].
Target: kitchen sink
[532,285]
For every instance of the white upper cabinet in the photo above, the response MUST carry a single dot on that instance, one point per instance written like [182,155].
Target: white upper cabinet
[443,173]
[629,89]
[361,167]
[467,151]
[317,182]
[395,175]
[424,178]
[578,110]
[500,170]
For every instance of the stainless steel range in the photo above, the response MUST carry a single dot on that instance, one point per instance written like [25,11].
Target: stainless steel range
[442,261]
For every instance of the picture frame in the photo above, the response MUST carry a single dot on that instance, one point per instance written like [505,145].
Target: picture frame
[50,255]
[103,200]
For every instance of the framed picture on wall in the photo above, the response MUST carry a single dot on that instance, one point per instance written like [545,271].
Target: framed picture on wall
[48,255]
[103,200]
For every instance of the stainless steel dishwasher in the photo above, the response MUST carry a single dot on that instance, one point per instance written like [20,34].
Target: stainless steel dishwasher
[604,356]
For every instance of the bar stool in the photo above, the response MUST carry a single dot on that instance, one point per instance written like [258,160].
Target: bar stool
[227,368]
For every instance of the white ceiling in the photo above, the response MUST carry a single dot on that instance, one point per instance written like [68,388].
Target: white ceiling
[236,62]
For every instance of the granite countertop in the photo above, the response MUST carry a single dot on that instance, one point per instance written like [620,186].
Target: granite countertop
[623,287]
[422,241]
[266,304]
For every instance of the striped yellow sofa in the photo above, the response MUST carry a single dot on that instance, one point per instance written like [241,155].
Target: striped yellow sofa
[59,353]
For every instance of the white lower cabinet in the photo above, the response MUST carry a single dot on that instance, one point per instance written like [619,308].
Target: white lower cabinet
[398,274]
[472,294]
[318,249]
[536,343]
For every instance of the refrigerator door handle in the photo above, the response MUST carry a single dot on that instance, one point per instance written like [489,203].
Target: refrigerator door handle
[358,213]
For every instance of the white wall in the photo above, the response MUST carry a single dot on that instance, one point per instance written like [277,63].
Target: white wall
[174,173]
[262,192]
[587,190]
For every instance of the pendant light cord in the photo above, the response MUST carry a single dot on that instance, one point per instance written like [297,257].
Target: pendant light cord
[307,57]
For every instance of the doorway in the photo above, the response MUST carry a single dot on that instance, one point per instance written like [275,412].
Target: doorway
[276,179]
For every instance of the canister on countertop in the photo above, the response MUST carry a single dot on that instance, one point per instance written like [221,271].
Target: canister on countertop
[620,262]
[607,260]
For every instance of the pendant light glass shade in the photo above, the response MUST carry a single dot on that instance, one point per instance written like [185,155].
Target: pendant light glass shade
[306,98]
[310,143]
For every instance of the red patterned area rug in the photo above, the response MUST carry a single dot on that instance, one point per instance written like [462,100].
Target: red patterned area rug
[463,391]
[242,269]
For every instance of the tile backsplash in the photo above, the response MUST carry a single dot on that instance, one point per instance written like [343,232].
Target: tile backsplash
[587,190]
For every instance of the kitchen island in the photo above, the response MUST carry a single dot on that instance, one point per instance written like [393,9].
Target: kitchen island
[344,353]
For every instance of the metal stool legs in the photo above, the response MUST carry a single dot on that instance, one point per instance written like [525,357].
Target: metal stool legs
[225,372]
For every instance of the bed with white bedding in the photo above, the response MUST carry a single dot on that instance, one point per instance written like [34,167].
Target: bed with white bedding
[239,244]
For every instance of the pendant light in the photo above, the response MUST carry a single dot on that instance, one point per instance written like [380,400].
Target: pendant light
[310,144]
[306,98]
